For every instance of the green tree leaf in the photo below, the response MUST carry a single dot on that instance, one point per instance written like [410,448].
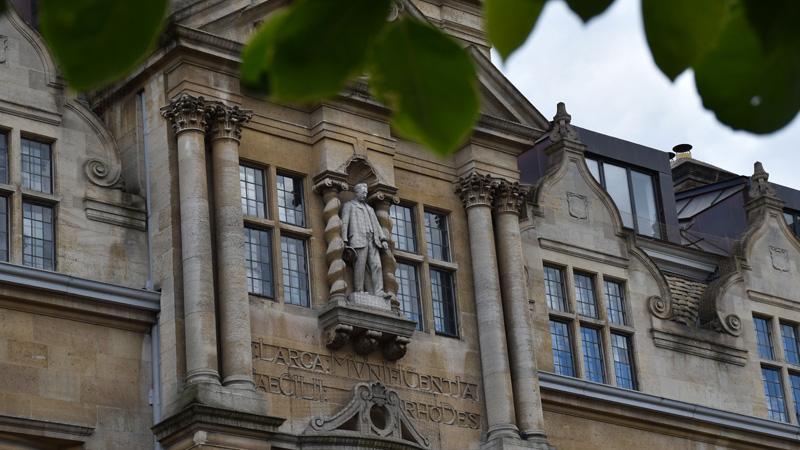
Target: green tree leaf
[96,42]
[587,9]
[509,22]
[312,51]
[2,6]
[681,32]
[429,82]
[748,86]
[775,21]
[258,54]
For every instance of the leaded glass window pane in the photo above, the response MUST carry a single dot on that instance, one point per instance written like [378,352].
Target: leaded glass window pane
[444,308]
[790,344]
[617,187]
[3,228]
[764,338]
[615,296]
[295,271]
[794,379]
[403,228]
[38,244]
[584,293]
[258,261]
[592,355]
[251,182]
[623,361]
[773,391]
[3,158]
[408,292]
[37,168]
[437,236]
[291,209]
[554,288]
[563,362]
[644,198]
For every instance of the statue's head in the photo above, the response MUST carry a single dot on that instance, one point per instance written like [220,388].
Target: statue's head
[361,191]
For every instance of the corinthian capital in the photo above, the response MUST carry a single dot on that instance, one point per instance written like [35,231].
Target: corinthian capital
[186,112]
[227,121]
[476,190]
[508,197]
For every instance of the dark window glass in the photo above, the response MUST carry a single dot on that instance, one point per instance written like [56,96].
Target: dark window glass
[436,234]
[403,228]
[38,249]
[645,201]
[444,307]
[795,381]
[584,293]
[408,292]
[554,288]
[793,221]
[3,228]
[594,168]
[592,355]
[295,271]
[251,182]
[563,362]
[36,166]
[763,338]
[615,296]
[773,391]
[790,347]
[258,261]
[291,209]
[3,158]
[616,179]
[623,361]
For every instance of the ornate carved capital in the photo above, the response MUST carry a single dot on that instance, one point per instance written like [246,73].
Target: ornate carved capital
[330,181]
[508,197]
[186,112]
[476,190]
[227,121]
[560,127]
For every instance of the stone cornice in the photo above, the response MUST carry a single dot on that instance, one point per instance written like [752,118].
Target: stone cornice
[476,190]
[47,429]
[186,113]
[226,121]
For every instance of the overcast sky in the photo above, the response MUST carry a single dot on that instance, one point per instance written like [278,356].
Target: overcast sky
[603,71]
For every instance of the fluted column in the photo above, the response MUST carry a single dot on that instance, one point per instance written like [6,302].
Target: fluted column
[382,199]
[188,117]
[527,401]
[234,306]
[330,185]
[476,194]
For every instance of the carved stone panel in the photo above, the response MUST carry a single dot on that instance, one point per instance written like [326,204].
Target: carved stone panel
[578,206]
[780,259]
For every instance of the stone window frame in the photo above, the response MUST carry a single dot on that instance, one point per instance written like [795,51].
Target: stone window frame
[424,263]
[576,321]
[278,229]
[779,363]
[16,195]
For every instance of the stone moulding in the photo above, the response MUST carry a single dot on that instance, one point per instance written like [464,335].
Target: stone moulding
[703,343]
[368,329]
[47,429]
[374,413]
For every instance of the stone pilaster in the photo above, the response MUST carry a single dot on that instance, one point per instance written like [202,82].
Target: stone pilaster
[188,115]
[329,185]
[476,192]
[382,199]
[508,202]
[234,306]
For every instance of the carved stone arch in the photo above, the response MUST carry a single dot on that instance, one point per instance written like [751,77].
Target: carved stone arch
[105,171]
[36,41]
[358,169]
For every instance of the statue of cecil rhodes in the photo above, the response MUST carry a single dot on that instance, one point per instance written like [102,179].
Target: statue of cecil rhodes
[364,239]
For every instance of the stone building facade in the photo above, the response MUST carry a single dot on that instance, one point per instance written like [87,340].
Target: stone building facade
[175,274]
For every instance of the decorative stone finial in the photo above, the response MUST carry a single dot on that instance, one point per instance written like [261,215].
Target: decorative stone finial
[227,121]
[560,127]
[508,197]
[186,112]
[759,183]
[476,190]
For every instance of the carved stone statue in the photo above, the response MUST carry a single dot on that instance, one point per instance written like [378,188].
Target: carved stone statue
[364,239]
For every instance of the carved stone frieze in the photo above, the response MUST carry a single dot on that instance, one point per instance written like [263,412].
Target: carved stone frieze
[187,112]
[476,190]
[374,412]
[226,121]
[508,197]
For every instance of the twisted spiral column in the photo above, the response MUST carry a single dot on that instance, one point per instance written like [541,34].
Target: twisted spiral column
[382,200]
[329,186]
